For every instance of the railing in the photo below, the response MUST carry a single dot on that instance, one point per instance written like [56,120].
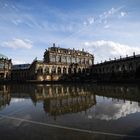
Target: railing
[120,59]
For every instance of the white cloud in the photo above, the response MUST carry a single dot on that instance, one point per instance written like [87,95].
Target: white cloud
[106,26]
[116,111]
[102,18]
[106,49]
[17,21]
[108,13]
[16,100]
[17,62]
[105,16]
[18,43]
[123,14]
[89,21]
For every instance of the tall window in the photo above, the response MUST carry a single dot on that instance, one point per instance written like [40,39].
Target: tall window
[52,58]
[63,59]
[73,60]
[83,60]
[68,59]
[58,58]
[90,62]
[1,66]
[78,60]
[6,66]
[87,61]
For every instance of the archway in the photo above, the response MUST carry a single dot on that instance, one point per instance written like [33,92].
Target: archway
[75,70]
[53,70]
[79,70]
[40,70]
[69,71]
[83,71]
[64,70]
[47,70]
[59,70]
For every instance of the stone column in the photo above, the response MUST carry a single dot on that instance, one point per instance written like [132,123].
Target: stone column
[61,70]
[66,70]
[56,70]
[50,70]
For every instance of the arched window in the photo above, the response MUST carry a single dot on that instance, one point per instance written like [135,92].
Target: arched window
[53,70]
[47,70]
[117,68]
[64,70]
[79,70]
[83,71]
[123,67]
[59,70]
[130,67]
[75,71]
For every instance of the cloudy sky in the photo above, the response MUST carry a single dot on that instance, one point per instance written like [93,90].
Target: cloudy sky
[106,28]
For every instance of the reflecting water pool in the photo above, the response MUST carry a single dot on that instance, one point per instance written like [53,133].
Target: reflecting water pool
[85,111]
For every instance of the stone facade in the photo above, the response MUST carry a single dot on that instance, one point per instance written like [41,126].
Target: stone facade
[5,68]
[75,65]
[127,68]
[20,72]
[57,63]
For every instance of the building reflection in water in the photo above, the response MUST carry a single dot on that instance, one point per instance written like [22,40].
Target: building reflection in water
[58,99]
[63,99]
[125,92]
[4,96]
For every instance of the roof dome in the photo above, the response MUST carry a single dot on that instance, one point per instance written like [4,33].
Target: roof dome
[3,56]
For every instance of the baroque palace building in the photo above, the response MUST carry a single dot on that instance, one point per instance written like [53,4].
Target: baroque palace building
[5,67]
[71,65]
[56,65]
